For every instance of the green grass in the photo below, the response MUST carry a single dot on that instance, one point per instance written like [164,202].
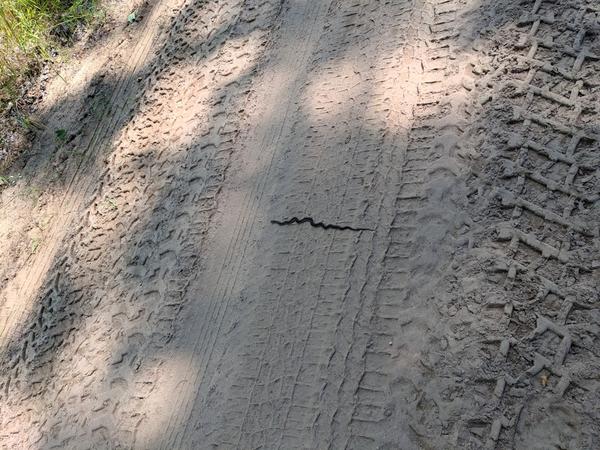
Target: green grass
[29,29]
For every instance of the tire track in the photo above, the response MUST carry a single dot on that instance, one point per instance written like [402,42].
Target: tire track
[295,42]
[175,317]
[137,290]
[530,321]
[291,389]
[79,185]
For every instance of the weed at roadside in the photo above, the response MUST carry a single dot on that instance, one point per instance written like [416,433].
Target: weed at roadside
[29,29]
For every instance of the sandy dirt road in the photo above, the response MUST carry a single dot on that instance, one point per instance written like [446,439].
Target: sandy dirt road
[324,224]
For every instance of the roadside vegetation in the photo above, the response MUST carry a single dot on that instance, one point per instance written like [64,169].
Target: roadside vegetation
[30,33]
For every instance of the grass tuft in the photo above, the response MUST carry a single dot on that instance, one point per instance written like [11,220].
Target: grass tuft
[29,29]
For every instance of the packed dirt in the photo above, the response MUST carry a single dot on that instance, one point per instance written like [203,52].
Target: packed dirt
[312,224]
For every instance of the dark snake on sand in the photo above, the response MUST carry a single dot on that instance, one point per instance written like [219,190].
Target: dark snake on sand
[325,226]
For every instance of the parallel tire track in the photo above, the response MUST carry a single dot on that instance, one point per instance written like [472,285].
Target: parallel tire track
[535,202]
[466,318]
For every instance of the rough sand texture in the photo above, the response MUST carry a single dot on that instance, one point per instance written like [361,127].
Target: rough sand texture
[324,224]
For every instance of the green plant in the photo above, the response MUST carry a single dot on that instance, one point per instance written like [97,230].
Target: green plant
[60,136]
[28,31]
[111,203]
[132,17]
[8,180]
[35,243]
